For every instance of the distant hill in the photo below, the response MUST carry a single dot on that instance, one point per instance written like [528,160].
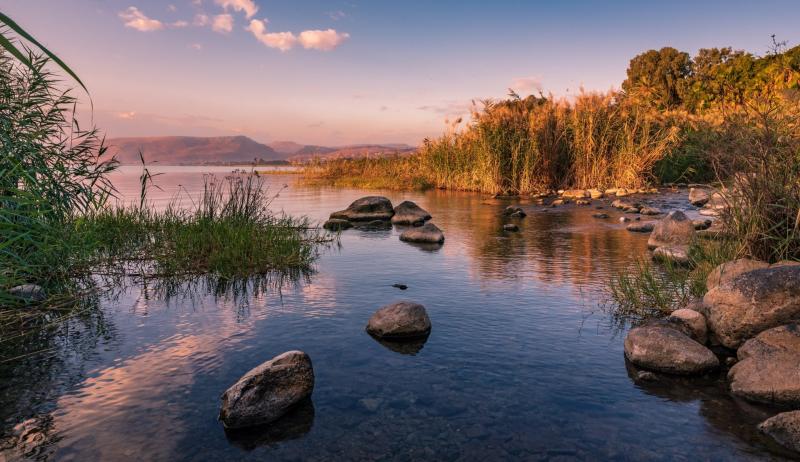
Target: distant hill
[181,150]
[194,150]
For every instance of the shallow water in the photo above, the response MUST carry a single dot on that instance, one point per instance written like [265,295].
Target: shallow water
[522,363]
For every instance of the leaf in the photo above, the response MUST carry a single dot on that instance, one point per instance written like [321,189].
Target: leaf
[14,51]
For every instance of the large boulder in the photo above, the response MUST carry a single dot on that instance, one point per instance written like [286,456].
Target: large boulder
[768,370]
[428,233]
[660,347]
[784,428]
[409,213]
[729,270]
[401,320]
[367,209]
[699,196]
[675,229]
[29,293]
[268,392]
[753,302]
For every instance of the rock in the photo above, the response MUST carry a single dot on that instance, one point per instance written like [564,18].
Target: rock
[268,392]
[649,211]
[600,215]
[576,194]
[715,231]
[631,210]
[727,271]
[700,225]
[518,214]
[730,361]
[784,428]
[717,201]
[663,349]
[558,202]
[583,202]
[409,213]
[511,210]
[622,192]
[646,376]
[399,321]
[677,254]
[596,194]
[623,204]
[374,224]
[428,233]
[698,196]
[673,230]
[400,286]
[510,227]
[337,224]
[785,263]
[768,370]
[624,219]
[753,302]
[367,209]
[29,293]
[694,321]
[642,227]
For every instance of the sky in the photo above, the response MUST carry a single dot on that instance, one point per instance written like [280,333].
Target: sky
[356,71]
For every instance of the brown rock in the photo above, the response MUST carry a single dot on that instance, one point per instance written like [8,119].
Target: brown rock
[784,428]
[409,213]
[428,233]
[367,209]
[729,270]
[673,230]
[664,349]
[400,320]
[768,370]
[694,321]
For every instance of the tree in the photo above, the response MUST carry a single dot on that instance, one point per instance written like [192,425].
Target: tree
[659,77]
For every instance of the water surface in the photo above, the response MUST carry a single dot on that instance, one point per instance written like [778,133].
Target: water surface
[521,363]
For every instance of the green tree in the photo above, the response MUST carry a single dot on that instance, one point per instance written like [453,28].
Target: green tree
[659,77]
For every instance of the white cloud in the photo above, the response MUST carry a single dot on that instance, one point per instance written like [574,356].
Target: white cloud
[172,8]
[222,23]
[283,41]
[337,15]
[527,84]
[247,6]
[179,24]
[324,40]
[201,20]
[126,115]
[135,19]
[197,46]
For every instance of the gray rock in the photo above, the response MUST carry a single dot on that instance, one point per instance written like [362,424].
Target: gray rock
[29,293]
[661,348]
[642,227]
[729,270]
[337,224]
[768,370]
[649,211]
[677,254]
[513,209]
[753,302]
[367,209]
[694,321]
[429,233]
[510,227]
[673,230]
[699,196]
[784,428]
[399,321]
[268,392]
[409,213]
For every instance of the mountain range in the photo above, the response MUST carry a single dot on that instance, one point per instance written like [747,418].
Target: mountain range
[193,150]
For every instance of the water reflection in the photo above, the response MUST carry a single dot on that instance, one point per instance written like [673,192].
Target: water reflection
[410,346]
[295,424]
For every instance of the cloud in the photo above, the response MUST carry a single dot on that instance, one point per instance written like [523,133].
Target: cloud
[449,108]
[179,24]
[201,20]
[324,40]
[222,23]
[337,15]
[135,19]
[247,6]
[197,46]
[527,84]
[172,8]
[126,115]
[283,41]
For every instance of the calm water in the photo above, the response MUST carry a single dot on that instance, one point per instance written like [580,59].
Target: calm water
[521,363]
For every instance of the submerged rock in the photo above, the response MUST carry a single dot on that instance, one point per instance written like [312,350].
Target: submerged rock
[428,233]
[268,391]
[513,209]
[29,293]
[727,271]
[699,196]
[409,213]
[401,320]
[753,302]
[662,348]
[373,225]
[367,209]
[337,224]
[601,216]
[784,428]
[768,370]
[673,230]
[643,227]
[510,227]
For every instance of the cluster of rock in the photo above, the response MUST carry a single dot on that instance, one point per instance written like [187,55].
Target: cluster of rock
[751,307]
[377,212]
[276,387]
[670,238]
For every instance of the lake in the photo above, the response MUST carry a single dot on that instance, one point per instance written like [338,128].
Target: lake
[522,363]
